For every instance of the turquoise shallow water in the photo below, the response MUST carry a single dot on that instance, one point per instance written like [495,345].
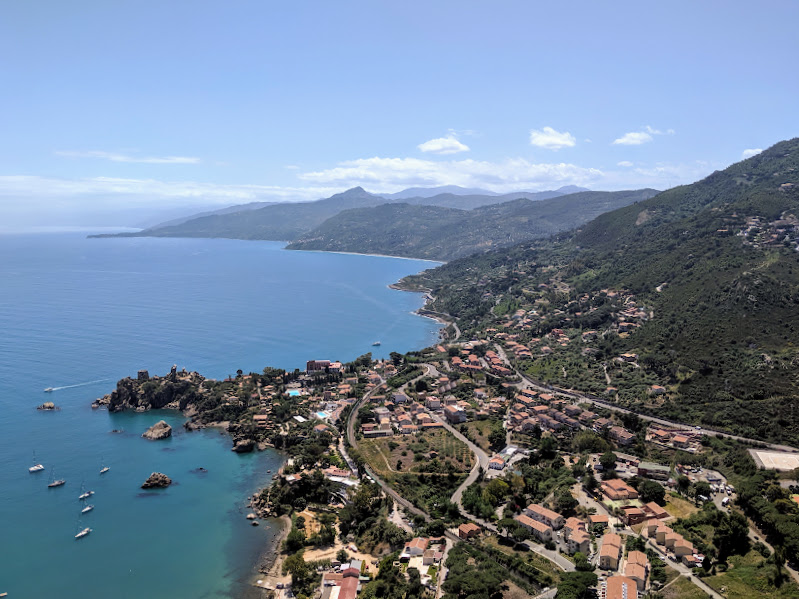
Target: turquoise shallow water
[77,315]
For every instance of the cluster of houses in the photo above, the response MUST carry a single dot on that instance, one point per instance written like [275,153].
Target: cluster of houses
[531,408]
[398,416]
[344,582]
[679,439]
[778,232]
[421,553]
[673,542]
[633,512]
[542,523]
[630,571]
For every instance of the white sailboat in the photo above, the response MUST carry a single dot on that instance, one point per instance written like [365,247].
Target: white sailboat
[83,532]
[84,494]
[36,466]
[88,508]
[104,468]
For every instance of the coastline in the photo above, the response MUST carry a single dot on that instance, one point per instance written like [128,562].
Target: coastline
[436,262]
[269,569]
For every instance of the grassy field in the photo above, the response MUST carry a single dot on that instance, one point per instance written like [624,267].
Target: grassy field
[411,453]
[425,482]
[682,588]
[479,430]
[749,576]
[679,507]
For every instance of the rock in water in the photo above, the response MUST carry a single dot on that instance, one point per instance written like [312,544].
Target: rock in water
[160,430]
[157,480]
[48,405]
[244,446]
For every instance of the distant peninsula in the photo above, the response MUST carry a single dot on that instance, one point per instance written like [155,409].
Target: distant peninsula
[440,227]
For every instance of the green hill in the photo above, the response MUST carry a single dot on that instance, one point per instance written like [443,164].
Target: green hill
[701,282]
[442,233]
[279,222]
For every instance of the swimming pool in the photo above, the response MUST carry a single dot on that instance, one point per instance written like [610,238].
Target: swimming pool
[294,392]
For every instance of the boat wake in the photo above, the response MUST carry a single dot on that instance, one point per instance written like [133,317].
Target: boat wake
[77,385]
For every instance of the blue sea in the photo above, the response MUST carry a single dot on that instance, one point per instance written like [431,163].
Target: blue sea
[78,314]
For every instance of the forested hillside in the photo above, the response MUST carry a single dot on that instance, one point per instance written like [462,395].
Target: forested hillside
[698,286]
[440,233]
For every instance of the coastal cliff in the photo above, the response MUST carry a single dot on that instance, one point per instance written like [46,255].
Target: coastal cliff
[177,390]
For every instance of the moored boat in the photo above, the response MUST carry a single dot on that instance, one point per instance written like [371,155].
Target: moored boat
[88,508]
[83,533]
[55,482]
[36,466]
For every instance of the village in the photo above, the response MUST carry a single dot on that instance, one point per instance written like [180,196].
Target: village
[465,410]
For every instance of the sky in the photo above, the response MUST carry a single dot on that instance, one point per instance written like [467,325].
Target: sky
[112,113]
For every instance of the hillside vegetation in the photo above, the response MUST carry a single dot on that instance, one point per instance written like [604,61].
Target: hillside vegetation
[706,273]
[440,233]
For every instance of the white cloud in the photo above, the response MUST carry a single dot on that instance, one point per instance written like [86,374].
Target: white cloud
[550,139]
[751,152]
[444,145]
[636,138]
[115,157]
[394,174]
[652,131]
[152,191]
[625,163]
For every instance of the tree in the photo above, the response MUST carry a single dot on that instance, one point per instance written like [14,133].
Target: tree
[342,556]
[548,448]
[590,482]
[565,504]
[581,563]
[702,488]
[608,460]
[295,540]
[649,490]
[297,567]
[497,438]
[732,536]
[683,484]
[299,522]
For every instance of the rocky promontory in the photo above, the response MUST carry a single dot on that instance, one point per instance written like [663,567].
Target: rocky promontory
[240,405]
[244,446]
[176,390]
[160,430]
[157,480]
